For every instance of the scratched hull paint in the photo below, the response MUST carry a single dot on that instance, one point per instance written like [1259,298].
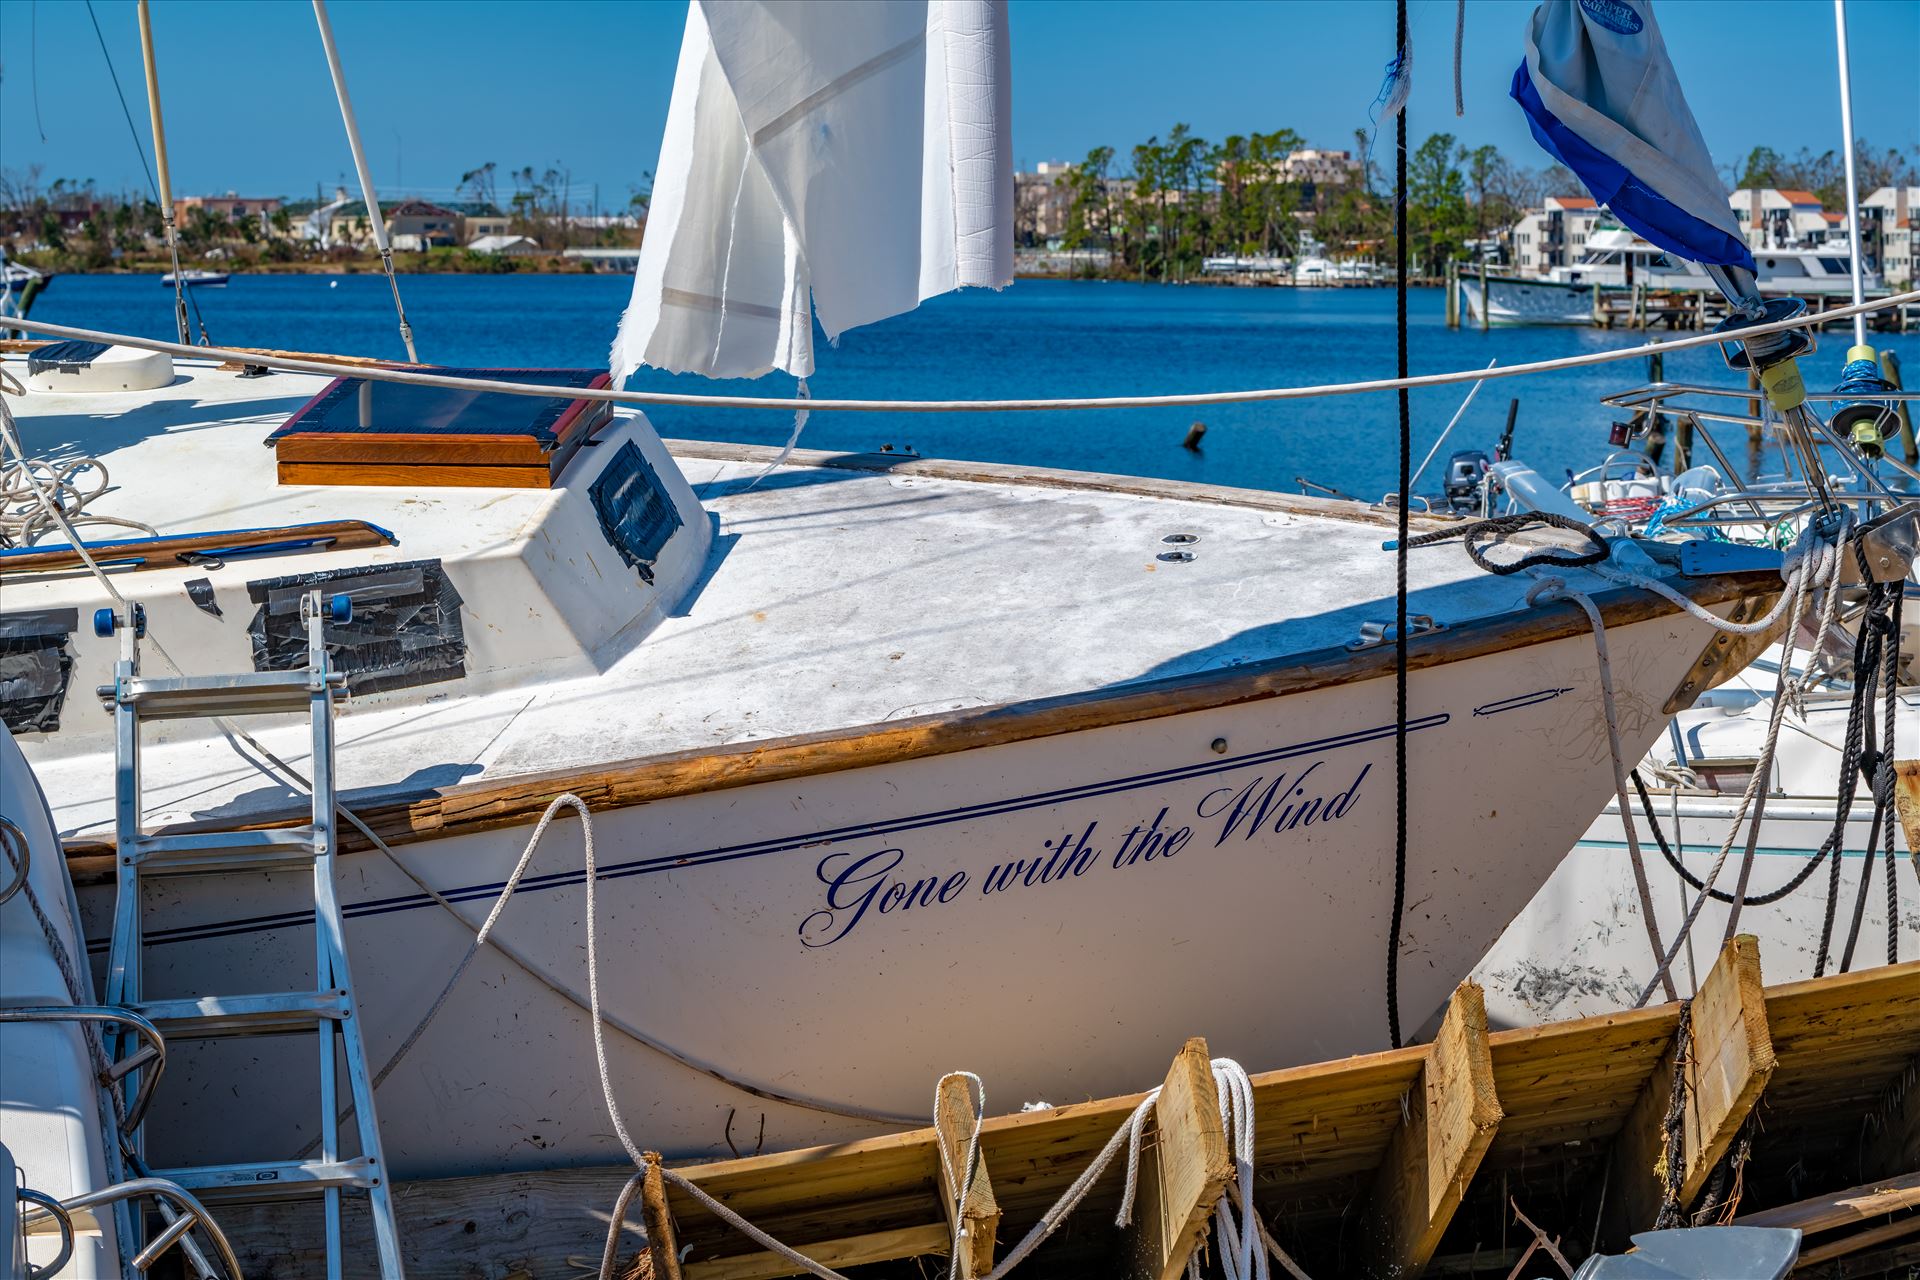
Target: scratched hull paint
[1056,914]
[1580,948]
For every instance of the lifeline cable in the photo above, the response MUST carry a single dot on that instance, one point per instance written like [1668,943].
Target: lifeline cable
[373,370]
[1400,551]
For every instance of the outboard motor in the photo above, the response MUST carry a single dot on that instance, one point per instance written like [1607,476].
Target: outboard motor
[1466,476]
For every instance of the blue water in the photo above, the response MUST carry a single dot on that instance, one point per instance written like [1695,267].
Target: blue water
[1038,338]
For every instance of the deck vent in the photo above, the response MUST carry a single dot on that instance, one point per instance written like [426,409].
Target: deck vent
[405,629]
[35,666]
[635,512]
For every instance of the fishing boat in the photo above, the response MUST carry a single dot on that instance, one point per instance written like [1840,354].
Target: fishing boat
[194,276]
[1617,259]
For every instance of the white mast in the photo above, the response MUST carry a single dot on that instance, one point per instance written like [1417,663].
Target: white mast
[1853,189]
[160,166]
[360,166]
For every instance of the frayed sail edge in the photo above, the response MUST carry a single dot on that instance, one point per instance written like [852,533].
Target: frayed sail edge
[800,417]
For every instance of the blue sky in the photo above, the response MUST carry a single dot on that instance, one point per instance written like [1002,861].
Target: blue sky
[582,86]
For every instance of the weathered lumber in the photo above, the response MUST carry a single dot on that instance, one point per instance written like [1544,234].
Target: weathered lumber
[853,1251]
[1452,1113]
[1184,1167]
[1828,1250]
[1839,1208]
[1728,1062]
[976,1216]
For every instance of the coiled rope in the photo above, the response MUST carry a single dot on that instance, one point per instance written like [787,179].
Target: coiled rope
[1473,536]
[28,484]
[420,378]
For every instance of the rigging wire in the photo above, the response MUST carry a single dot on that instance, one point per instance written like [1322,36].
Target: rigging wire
[33,64]
[140,150]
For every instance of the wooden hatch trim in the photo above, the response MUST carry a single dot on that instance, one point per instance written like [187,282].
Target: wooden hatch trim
[519,800]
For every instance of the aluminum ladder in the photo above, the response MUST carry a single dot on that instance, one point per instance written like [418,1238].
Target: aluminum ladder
[328,1013]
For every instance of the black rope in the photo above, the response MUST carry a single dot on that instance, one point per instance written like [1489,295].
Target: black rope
[1861,758]
[1400,560]
[1718,895]
[1891,679]
[1673,1127]
[1481,531]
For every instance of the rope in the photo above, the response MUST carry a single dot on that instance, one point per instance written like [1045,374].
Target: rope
[414,377]
[25,483]
[961,1179]
[1472,534]
[1555,588]
[1718,895]
[1402,516]
[1820,564]
[1244,1241]
[1673,1128]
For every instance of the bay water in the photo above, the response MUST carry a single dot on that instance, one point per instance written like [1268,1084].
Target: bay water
[1038,338]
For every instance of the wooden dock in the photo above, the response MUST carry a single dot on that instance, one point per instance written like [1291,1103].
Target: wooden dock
[1797,1107]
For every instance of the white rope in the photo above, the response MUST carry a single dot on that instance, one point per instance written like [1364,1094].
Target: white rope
[414,377]
[1554,588]
[28,485]
[1820,568]
[961,1179]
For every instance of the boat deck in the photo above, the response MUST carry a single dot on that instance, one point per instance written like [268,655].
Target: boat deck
[840,592]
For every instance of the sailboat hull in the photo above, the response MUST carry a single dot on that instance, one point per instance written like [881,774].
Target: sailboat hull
[1055,913]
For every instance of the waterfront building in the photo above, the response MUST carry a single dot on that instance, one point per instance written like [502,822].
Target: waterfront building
[505,246]
[1555,234]
[1887,233]
[1773,218]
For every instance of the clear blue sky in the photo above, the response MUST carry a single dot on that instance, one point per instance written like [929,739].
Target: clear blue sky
[582,86]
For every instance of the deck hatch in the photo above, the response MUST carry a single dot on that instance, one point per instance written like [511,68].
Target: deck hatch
[405,629]
[35,668]
[362,432]
[634,510]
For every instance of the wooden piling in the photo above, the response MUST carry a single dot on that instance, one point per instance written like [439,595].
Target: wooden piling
[1453,294]
[1486,301]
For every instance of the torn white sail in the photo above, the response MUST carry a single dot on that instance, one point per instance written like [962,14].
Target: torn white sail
[850,154]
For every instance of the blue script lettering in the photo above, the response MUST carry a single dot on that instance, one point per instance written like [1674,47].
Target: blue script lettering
[1246,810]
[864,883]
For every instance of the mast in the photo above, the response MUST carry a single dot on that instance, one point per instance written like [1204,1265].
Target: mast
[160,164]
[360,166]
[1853,189]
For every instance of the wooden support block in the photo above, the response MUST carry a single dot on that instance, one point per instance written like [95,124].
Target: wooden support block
[854,1251]
[1184,1167]
[1452,1113]
[1729,1061]
[978,1217]
[663,1243]
[1841,1208]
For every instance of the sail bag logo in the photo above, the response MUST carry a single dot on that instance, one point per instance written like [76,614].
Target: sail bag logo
[1614,16]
